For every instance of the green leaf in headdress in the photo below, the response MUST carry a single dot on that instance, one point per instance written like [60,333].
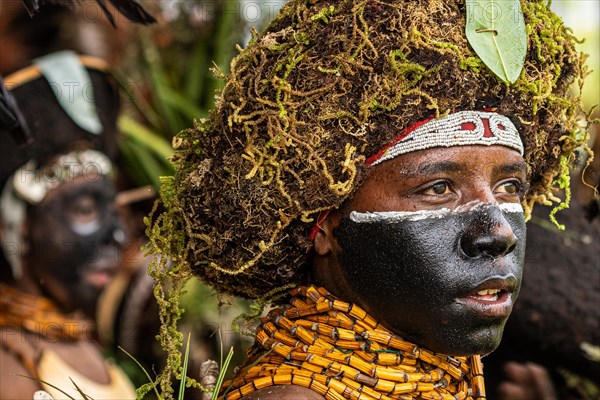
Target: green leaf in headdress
[496,31]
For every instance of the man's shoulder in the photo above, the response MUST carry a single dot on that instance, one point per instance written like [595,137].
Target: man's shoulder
[284,392]
[13,371]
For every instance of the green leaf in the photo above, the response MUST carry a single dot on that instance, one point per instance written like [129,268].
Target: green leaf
[184,368]
[150,380]
[133,129]
[197,72]
[181,104]
[47,384]
[496,31]
[224,367]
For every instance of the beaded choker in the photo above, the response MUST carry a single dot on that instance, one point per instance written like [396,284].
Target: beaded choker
[39,315]
[339,351]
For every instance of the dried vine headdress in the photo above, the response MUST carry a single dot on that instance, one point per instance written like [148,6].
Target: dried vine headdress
[327,85]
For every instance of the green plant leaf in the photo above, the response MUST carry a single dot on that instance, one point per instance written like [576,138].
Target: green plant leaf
[224,367]
[197,72]
[150,380]
[80,391]
[496,31]
[47,384]
[181,104]
[158,144]
[184,368]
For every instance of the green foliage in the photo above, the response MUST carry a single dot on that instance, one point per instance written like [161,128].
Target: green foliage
[222,372]
[176,87]
[186,357]
[175,91]
[496,31]
[146,152]
[151,385]
[83,395]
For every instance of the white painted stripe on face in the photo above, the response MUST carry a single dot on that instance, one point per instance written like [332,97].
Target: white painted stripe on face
[511,207]
[86,228]
[400,216]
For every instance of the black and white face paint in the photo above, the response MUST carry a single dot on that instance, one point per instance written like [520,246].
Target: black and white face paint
[75,240]
[444,279]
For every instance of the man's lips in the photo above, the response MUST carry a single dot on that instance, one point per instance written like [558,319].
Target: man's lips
[100,272]
[99,278]
[492,298]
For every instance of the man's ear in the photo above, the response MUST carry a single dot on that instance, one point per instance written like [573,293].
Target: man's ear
[324,240]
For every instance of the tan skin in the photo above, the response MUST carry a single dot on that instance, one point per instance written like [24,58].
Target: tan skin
[84,355]
[492,174]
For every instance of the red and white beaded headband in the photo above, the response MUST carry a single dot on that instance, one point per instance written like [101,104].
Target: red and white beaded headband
[463,128]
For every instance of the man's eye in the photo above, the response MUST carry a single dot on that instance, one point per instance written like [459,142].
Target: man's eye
[511,187]
[437,189]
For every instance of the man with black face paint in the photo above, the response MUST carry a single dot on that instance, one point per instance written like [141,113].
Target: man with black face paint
[61,240]
[415,156]
[74,236]
[454,267]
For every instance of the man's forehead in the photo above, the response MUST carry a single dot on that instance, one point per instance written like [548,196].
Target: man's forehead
[82,186]
[469,159]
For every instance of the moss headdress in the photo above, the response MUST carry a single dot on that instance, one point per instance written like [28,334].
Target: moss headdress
[326,85]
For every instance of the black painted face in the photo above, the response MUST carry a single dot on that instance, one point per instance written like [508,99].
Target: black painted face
[447,279]
[442,262]
[74,242]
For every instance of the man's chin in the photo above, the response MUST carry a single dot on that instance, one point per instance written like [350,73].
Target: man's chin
[482,342]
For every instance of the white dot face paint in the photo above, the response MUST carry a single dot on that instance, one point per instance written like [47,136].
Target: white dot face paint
[407,216]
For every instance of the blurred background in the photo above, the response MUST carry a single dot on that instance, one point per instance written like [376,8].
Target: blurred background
[168,74]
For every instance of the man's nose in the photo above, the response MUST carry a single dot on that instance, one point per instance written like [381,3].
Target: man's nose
[488,235]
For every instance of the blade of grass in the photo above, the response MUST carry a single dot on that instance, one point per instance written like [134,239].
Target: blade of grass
[183,105]
[149,164]
[157,143]
[248,368]
[139,102]
[141,164]
[222,373]
[184,368]
[225,37]
[196,73]
[81,392]
[131,162]
[47,384]
[221,345]
[159,83]
[158,396]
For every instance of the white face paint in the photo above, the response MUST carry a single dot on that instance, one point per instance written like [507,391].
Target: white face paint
[400,216]
[86,228]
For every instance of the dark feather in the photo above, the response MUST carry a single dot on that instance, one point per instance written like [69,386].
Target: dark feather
[11,120]
[32,6]
[131,9]
[106,12]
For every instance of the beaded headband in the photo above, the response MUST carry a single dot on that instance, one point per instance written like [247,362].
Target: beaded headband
[32,183]
[463,128]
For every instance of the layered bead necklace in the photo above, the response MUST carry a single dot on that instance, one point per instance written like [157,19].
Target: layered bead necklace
[339,351]
[40,316]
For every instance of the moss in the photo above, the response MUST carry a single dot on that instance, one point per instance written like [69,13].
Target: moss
[327,85]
